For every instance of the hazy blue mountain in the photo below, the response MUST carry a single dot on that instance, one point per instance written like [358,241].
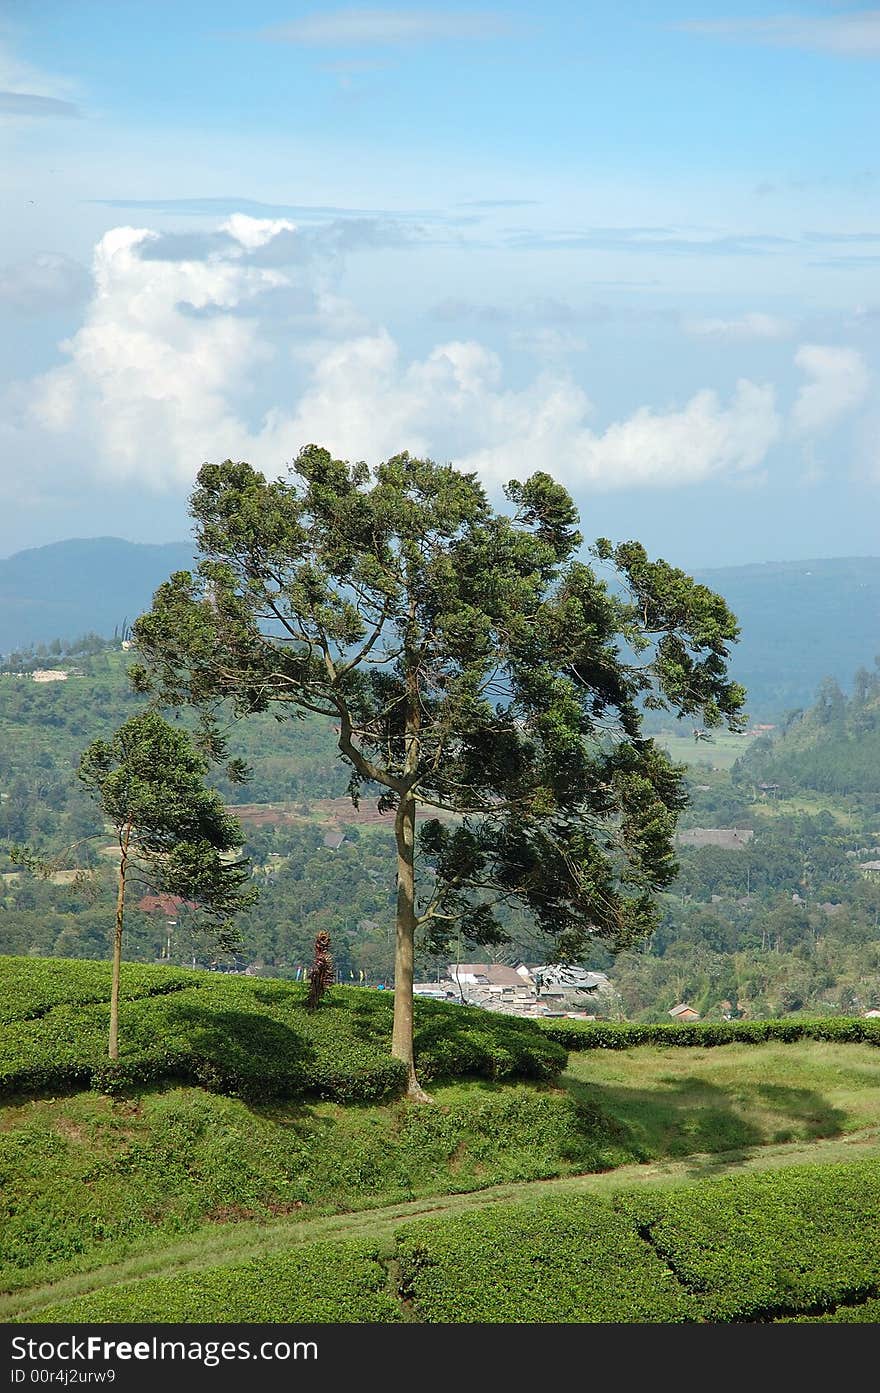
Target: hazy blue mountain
[74,587]
[801,620]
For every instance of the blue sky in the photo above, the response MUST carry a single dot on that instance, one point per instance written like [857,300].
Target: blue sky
[638,246]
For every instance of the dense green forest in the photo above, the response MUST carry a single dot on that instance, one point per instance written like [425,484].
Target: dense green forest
[832,748]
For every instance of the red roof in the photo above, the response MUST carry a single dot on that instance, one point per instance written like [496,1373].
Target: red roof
[169,905]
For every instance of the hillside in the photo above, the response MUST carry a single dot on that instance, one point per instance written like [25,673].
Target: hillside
[832,748]
[80,586]
[655,1179]
[800,620]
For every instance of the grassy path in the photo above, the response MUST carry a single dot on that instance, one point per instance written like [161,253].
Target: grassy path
[215,1245]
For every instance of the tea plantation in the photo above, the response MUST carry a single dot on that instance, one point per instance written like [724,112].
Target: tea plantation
[757,1248]
[246,1160]
[246,1037]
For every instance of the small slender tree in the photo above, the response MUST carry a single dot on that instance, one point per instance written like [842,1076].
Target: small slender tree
[471,663]
[148,780]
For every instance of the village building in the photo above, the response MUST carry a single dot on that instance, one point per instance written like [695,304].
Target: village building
[683,1012]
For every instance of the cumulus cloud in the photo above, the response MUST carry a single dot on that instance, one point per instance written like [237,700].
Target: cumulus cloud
[753,326]
[45,281]
[174,365]
[838,382]
[146,388]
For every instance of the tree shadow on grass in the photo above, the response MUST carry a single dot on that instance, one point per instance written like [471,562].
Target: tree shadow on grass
[690,1115]
[241,1052]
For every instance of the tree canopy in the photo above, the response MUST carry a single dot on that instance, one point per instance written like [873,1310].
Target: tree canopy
[148,780]
[476,671]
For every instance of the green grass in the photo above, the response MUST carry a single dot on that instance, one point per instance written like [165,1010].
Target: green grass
[721,752]
[327,1282]
[175,1199]
[90,1178]
[672,1102]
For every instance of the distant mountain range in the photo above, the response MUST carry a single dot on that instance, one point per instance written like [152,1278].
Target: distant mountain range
[800,620]
[81,586]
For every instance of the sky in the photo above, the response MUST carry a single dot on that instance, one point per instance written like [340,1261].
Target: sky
[636,246]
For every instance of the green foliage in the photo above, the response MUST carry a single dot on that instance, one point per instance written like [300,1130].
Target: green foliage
[556,1261]
[148,780]
[85,1178]
[470,663]
[612,1035]
[251,1037]
[761,1246]
[322,1283]
[757,1247]
[833,747]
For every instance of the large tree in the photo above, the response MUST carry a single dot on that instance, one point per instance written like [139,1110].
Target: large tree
[148,780]
[472,665]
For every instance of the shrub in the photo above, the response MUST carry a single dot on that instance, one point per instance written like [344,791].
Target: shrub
[321,1282]
[601,1035]
[572,1260]
[251,1038]
[756,1247]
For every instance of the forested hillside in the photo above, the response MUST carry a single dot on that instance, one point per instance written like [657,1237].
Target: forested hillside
[800,620]
[781,919]
[833,747]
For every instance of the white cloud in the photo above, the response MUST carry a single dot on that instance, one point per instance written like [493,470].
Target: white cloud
[146,391]
[754,326]
[838,383]
[26,91]
[45,281]
[173,365]
[853,35]
[365,403]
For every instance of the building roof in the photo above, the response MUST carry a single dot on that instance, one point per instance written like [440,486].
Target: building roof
[163,904]
[731,838]
[682,1009]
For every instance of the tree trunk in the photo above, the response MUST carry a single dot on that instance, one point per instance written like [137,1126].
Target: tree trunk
[404,953]
[117,946]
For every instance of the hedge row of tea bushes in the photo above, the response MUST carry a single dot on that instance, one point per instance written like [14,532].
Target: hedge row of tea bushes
[767,1245]
[31,987]
[321,1282]
[800,1240]
[795,1242]
[247,1037]
[88,1178]
[613,1035]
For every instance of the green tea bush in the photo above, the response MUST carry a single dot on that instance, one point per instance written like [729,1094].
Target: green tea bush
[613,1035]
[248,1037]
[755,1247]
[566,1261]
[31,987]
[321,1282]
